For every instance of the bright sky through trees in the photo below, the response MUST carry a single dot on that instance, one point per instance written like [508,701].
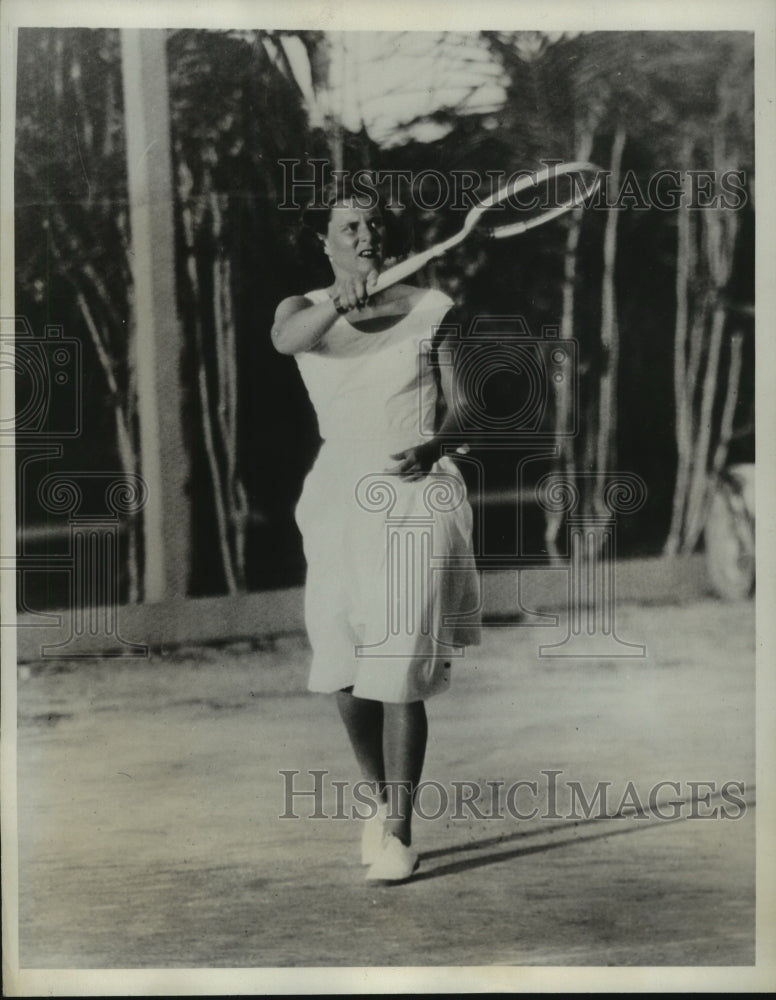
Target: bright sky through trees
[389,80]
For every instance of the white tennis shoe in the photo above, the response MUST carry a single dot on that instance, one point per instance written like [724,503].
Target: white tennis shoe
[395,863]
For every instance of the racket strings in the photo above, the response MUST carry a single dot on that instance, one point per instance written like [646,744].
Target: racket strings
[527,201]
[537,204]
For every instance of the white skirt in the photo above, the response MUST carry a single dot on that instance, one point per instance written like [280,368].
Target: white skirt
[392,596]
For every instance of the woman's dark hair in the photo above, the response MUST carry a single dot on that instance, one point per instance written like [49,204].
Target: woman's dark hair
[317,215]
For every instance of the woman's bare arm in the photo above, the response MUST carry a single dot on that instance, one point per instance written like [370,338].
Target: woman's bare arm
[300,324]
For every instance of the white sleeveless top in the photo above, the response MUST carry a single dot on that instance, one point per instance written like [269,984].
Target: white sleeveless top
[376,391]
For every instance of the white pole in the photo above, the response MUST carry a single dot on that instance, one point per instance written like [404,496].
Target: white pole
[163,461]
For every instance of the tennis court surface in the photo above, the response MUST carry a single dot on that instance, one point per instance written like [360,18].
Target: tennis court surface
[151,794]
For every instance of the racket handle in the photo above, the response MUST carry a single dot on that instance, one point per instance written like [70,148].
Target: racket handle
[409,266]
[402,270]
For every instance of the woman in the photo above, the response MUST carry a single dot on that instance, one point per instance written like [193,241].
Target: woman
[364,358]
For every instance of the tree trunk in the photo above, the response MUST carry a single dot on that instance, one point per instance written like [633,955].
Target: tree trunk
[205,408]
[697,496]
[564,463]
[226,399]
[606,455]
[128,456]
[698,371]
[731,400]
[684,263]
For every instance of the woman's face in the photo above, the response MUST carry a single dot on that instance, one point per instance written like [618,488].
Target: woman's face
[355,240]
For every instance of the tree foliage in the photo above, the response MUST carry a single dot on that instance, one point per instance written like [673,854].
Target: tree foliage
[646,292]
[656,101]
[72,233]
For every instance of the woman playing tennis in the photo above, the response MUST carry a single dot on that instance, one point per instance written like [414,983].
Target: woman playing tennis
[385,414]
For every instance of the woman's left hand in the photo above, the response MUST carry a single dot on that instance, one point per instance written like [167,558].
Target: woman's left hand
[415,463]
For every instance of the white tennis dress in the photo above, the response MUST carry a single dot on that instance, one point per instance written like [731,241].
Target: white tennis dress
[392,595]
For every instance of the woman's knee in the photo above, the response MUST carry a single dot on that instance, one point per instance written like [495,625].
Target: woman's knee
[404,709]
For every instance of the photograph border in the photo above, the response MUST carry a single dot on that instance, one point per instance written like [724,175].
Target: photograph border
[745,15]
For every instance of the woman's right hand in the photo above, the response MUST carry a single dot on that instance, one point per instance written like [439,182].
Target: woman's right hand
[352,291]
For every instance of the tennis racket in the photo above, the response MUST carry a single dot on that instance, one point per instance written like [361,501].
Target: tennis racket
[552,192]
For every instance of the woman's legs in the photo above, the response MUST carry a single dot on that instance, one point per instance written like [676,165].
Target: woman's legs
[363,720]
[389,741]
[405,732]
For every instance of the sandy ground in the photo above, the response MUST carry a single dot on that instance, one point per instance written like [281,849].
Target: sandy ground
[150,803]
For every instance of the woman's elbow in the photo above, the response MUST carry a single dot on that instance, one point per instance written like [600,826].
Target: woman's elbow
[280,341]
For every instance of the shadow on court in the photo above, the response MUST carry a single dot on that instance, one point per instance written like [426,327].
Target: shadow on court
[499,857]
[151,795]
